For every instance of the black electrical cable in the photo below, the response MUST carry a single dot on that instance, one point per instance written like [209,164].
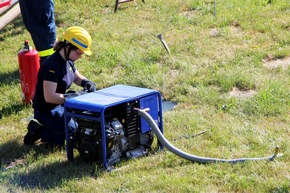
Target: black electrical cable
[194,158]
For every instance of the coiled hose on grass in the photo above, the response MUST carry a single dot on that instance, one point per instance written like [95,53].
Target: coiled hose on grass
[194,158]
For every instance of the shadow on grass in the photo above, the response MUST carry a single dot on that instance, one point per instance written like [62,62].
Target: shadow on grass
[13,29]
[6,111]
[56,174]
[7,79]
[14,150]
[36,175]
[10,78]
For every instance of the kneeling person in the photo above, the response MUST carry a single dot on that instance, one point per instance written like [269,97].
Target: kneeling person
[55,77]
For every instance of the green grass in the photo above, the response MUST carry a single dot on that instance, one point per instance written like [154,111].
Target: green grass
[210,56]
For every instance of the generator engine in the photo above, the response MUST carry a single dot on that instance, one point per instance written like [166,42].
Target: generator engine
[108,130]
[89,143]
[119,142]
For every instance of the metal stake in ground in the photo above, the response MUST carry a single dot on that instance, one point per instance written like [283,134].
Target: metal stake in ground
[164,43]
[160,35]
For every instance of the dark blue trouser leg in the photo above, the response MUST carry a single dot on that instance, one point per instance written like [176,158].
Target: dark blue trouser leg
[54,125]
[38,18]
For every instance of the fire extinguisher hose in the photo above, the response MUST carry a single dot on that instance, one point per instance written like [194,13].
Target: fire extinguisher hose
[194,158]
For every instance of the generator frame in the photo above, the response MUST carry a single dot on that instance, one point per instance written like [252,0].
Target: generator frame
[97,103]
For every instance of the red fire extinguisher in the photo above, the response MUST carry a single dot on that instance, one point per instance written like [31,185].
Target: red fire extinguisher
[29,63]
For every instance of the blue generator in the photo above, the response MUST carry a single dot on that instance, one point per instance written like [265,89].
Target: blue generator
[108,130]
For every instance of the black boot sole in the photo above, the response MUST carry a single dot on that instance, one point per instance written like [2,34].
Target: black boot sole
[33,134]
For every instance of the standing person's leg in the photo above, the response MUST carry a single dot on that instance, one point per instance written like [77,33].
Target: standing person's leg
[38,18]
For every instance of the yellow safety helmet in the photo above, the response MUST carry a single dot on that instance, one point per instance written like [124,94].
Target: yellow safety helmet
[80,38]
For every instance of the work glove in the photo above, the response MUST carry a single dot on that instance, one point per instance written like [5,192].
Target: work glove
[88,85]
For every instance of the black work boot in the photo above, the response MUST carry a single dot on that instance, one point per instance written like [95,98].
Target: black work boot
[33,134]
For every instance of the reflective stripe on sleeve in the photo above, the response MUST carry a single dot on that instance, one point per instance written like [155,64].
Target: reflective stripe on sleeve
[47,52]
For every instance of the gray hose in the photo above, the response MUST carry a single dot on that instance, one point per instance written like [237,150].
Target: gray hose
[194,158]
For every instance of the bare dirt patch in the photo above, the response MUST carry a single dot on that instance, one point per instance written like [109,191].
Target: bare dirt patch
[242,94]
[272,63]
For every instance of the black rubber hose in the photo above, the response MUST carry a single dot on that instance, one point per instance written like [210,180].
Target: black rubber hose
[194,158]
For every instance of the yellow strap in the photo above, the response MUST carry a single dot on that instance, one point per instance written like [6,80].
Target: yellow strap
[47,52]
